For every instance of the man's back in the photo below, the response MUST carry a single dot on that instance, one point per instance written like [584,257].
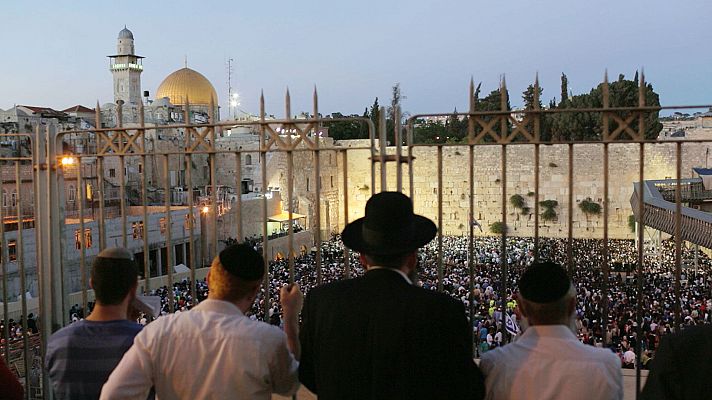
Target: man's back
[379,337]
[548,362]
[680,369]
[210,352]
[81,356]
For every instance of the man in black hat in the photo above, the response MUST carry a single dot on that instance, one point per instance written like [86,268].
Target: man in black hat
[215,351]
[548,361]
[380,336]
[681,367]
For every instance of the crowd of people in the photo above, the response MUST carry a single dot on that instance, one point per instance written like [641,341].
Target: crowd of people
[415,302]
[620,333]
[484,307]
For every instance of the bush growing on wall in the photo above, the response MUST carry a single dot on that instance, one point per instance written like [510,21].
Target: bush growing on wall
[590,207]
[498,228]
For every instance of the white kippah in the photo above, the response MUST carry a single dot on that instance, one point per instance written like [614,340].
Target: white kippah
[119,253]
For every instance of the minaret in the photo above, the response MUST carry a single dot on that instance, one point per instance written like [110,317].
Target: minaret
[126,68]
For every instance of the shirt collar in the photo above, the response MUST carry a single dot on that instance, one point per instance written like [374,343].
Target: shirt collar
[375,267]
[556,331]
[219,306]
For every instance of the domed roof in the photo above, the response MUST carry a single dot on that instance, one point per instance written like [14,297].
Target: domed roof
[125,34]
[187,84]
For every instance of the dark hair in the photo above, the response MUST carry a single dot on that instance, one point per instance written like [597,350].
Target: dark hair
[388,261]
[112,279]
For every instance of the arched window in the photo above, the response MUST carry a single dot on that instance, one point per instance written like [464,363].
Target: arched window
[248,159]
[13,198]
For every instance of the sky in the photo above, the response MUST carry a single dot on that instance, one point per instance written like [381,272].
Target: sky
[54,52]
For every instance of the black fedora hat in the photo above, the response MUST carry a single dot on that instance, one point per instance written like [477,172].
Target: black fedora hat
[390,227]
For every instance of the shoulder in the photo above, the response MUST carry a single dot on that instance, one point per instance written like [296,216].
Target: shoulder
[602,355]
[494,358]
[437,299]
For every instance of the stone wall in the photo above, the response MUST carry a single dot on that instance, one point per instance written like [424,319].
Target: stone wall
[554,182]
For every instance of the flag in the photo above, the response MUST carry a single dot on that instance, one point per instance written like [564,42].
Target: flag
[476,223]
[511,326]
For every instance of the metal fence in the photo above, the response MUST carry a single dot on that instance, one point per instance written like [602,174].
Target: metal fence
[142,187]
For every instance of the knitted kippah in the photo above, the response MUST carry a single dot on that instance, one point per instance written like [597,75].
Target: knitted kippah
[544,282]
[118,253]
[242,261]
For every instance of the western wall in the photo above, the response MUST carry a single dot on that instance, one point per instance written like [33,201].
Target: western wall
[588,182]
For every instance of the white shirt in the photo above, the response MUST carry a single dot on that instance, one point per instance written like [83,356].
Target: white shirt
[210,352]
[629,356]
[548,362]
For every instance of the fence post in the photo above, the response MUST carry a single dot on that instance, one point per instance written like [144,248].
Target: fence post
[48,225]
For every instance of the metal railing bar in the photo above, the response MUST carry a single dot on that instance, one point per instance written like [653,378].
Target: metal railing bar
[440,219]
[169,236]
[82,236]
[570,223]
[347,257]
[238,186]
[23,279]
[678,234]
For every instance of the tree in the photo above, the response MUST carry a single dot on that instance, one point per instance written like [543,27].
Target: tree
[564,89]
[528,97]
[456,129]
[429,132]
[589,126]
[346,130]
[374,112]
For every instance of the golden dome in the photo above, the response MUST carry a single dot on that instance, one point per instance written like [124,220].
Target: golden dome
[190,84]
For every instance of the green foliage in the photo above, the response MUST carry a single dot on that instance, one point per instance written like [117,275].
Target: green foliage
[589,126]
[631,222]
[525,210]
[429,132]
[493,102]
[517,201]
[346,130]
[548,215]
[590,207]
[531,194]
[528,97]
[549,203]
[498,228]
[553,165]
[564,89]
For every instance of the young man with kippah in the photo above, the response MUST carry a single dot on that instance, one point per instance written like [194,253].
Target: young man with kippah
[214,351]
[548,361]
[81,356]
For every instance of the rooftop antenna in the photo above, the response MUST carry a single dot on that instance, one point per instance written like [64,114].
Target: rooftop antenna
[185,60]
[231,110]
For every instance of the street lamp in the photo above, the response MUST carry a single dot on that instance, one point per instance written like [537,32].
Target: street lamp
[67,161]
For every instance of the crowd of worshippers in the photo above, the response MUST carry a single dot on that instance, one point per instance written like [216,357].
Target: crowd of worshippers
[620,334]
[386,333]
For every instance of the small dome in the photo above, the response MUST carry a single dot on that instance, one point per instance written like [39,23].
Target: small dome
[187,84]
[125,34]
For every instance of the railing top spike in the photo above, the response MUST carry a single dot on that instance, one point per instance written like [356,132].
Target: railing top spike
[605,76]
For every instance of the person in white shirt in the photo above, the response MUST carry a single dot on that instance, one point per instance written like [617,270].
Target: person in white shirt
[548,361]
[214,351]
[629,359]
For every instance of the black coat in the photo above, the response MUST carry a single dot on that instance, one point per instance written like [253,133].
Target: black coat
[378,337]
[682,366]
